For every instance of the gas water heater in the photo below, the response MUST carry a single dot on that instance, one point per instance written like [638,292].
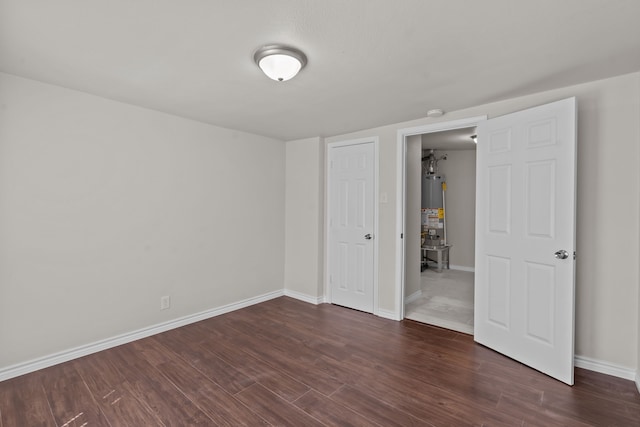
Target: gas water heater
[433,203]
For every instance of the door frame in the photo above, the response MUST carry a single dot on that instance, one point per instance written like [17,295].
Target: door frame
[327,210]
[401,189]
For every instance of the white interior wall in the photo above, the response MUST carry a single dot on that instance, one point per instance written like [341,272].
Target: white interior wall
[106,207]
[460,172]
[304,241]
[413,254]
[638,265]
[607,277]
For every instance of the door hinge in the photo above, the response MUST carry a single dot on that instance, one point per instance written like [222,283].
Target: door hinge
[402,235]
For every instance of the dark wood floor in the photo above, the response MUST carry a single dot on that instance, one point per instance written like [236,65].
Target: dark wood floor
[285,362]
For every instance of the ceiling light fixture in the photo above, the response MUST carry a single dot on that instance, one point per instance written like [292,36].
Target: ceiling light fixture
[280,62]
[436,112]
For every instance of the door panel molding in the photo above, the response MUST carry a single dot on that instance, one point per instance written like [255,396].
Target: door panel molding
[357,254]
[540,197]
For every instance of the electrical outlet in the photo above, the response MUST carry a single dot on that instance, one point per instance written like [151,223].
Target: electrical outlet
[165,302]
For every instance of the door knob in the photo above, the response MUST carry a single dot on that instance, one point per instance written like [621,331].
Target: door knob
[367,236]
[561,254]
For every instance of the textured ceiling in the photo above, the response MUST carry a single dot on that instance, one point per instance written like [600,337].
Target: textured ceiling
[449,140]
[371,62]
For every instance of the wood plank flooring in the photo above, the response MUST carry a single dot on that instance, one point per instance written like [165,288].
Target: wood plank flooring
[288,363]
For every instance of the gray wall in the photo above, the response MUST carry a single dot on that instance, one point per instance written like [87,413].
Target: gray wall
[460,172]
[413,253]
[607,281]
[304,225]
[106,207]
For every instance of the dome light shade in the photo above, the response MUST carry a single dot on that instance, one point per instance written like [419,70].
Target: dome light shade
[280,67]
[280,63]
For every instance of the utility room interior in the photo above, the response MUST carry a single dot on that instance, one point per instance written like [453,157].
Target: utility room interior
[441,208]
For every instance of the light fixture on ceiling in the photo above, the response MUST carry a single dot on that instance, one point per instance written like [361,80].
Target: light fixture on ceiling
[436,112]
[280,62]
[474,138]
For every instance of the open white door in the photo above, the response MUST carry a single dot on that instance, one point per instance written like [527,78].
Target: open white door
[351,224]
[525,237]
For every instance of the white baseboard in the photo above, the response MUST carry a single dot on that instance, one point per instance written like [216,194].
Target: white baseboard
[638,382]
[304,297]
[387,314]
[74,353]
[414,296]
[607,368]
[462,268]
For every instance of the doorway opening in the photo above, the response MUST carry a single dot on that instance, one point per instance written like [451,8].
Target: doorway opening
[524,289]
[440,226]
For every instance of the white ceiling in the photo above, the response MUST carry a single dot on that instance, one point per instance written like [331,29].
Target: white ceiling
[371,62]
[449,140]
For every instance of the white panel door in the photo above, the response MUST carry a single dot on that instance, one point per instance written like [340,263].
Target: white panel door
[351,225]
[525,237]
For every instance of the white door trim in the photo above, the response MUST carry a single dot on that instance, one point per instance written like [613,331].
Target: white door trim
[401,189]
[327,209]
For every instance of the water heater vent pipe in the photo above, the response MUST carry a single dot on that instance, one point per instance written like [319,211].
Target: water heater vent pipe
[431,166]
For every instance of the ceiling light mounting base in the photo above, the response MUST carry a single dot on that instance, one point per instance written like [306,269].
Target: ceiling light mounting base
[436,112]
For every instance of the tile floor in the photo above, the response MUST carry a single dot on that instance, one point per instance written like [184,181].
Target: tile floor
[446,300]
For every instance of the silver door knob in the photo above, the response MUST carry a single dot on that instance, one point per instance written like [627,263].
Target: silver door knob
[367,236]
[561,254]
